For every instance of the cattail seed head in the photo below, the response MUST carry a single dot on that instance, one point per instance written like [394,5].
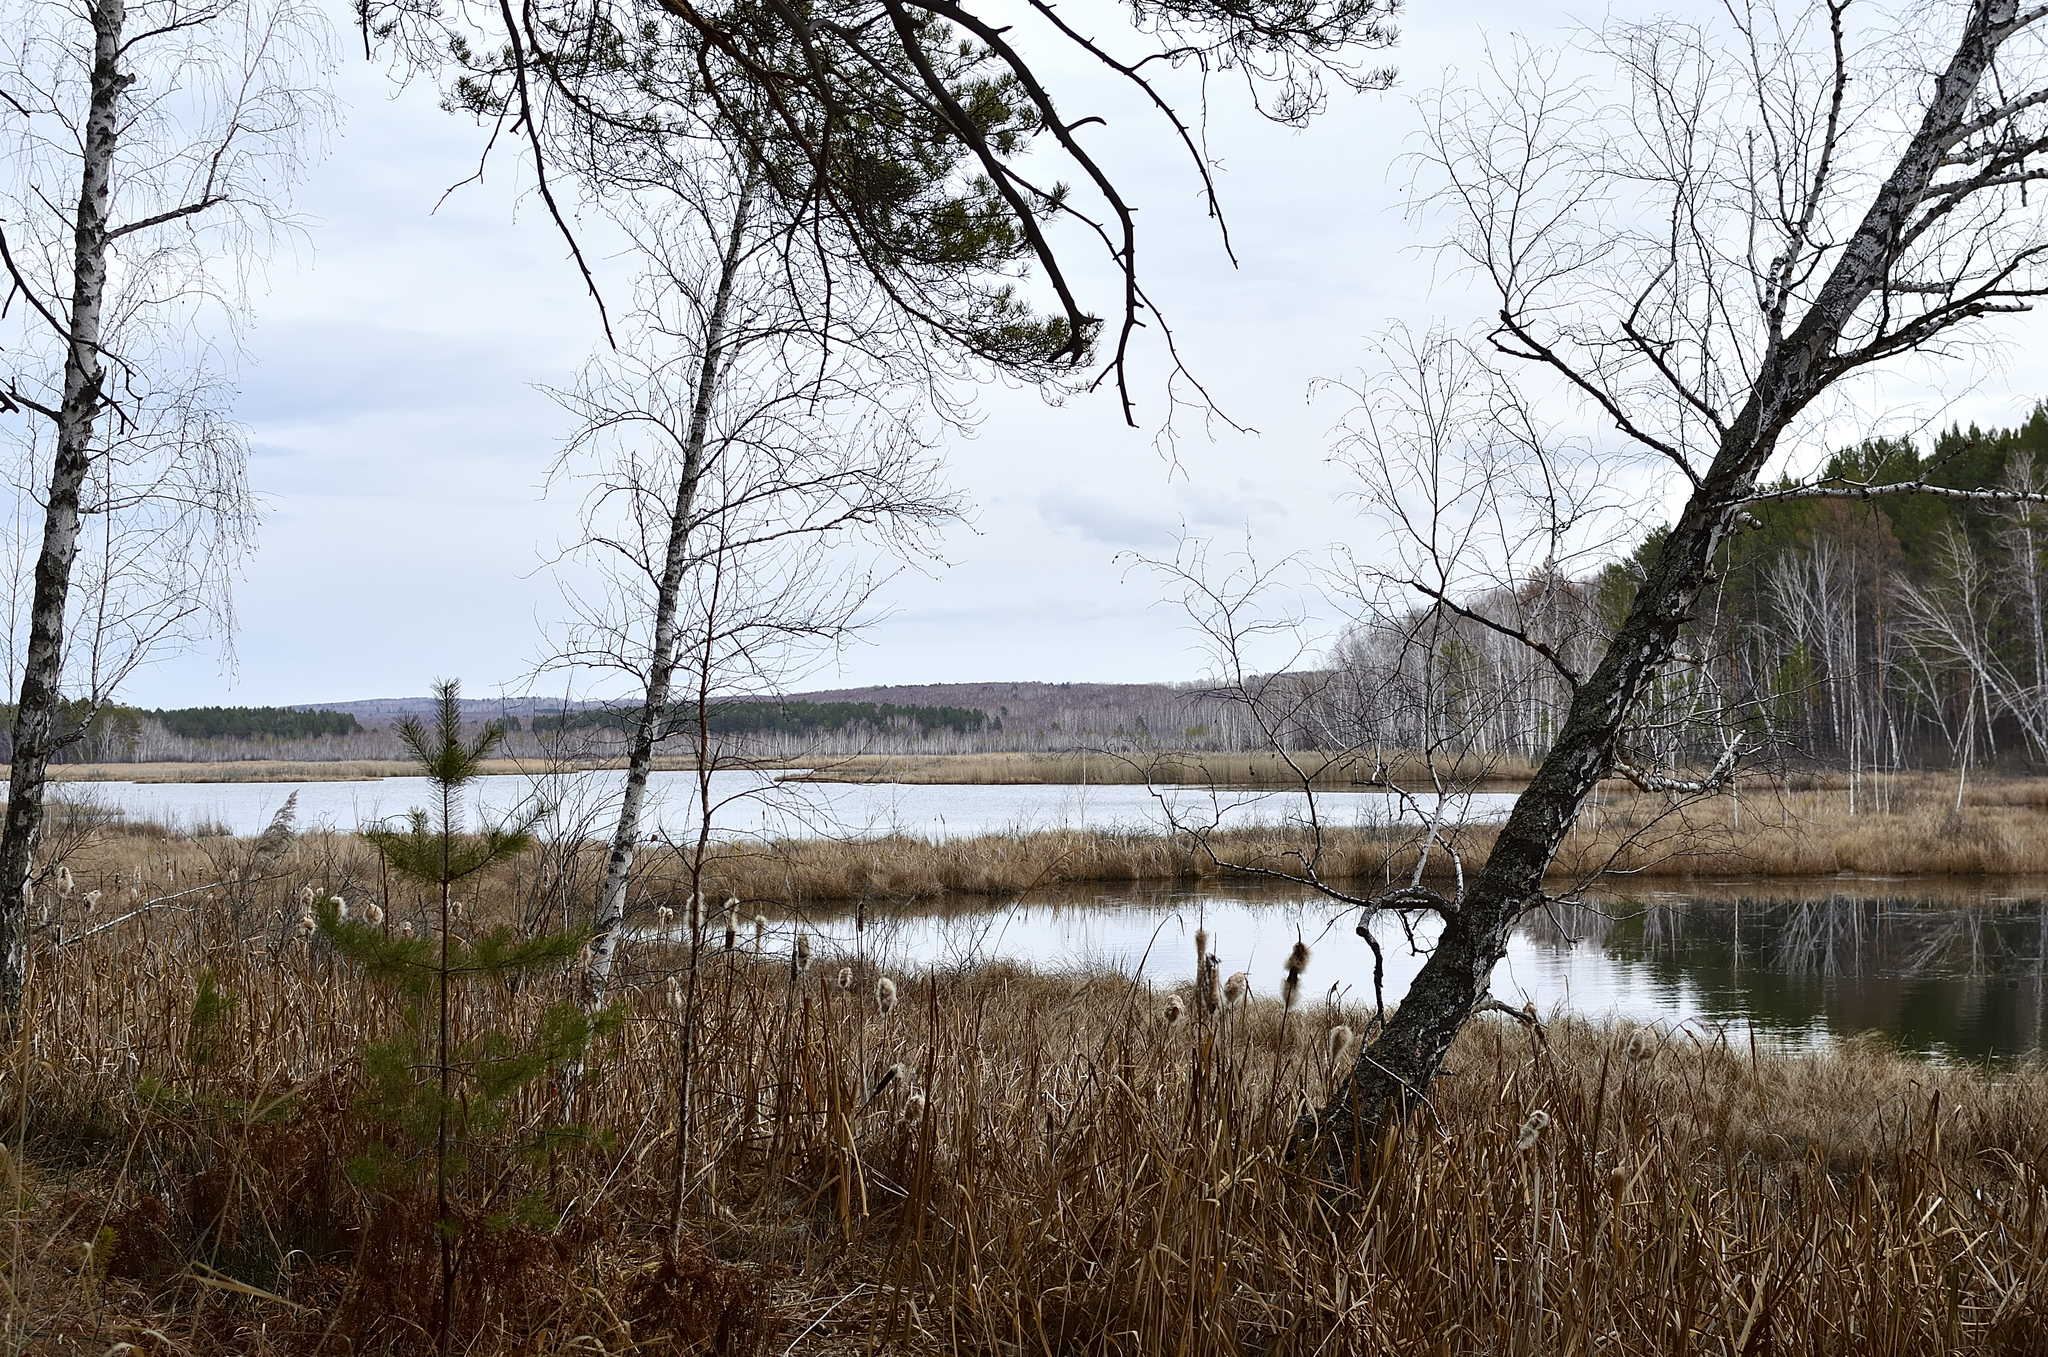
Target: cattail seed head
[663,917]
[340,908]
[457,910]
[845,978]
[896,1076]
[1174,1011]
[1617,1180]
[913,1108]
[760,931]
[1532,1129]
[92,901]
[1290,990]
[306,895]
[1297,959]
[65,882]
[373,914]
[1641,1045]
[732,931]
[675,994]
[803,951]
[885,995]
[405,929]
[1237,989]
[1211,989]
[1340,1042]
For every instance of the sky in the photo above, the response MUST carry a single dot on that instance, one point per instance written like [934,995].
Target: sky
[401,448]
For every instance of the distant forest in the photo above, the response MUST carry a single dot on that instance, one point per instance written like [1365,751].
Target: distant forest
[789,717]
[1879,633]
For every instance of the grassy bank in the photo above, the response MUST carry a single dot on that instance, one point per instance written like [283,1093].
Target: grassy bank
[1257,768]
[1055,1167]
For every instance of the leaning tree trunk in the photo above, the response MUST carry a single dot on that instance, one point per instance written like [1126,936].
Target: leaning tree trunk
[36,733]
[648,727]
[1395,1071]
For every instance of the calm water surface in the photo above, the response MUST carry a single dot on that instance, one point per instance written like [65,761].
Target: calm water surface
[1957,972]
[754,803]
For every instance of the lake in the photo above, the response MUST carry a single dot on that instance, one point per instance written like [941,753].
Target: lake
[1956,970]
[755,803]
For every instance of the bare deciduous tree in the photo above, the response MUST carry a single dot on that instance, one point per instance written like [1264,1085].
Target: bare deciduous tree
[1751,218]
[148,149]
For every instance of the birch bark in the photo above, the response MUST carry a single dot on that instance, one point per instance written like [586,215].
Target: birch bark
[41,698]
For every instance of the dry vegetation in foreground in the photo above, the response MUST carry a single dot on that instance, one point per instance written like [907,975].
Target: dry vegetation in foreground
[1055,1167]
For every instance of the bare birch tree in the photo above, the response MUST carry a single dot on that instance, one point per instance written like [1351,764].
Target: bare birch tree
[1751,218]
[738,449]
[149,146]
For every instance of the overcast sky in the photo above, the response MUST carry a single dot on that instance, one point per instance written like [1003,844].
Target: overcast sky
[400,446]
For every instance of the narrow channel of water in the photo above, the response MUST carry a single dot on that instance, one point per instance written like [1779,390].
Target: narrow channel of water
[1958,971]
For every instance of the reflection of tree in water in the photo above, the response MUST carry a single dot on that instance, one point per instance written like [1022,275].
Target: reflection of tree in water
[1967,977]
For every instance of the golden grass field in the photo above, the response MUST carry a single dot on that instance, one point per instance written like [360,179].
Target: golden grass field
[1056,1168]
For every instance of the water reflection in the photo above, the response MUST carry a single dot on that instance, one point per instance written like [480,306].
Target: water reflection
[1961,973]
[1964,974]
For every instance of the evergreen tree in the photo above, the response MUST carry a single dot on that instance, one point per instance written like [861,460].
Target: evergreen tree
[443,1084]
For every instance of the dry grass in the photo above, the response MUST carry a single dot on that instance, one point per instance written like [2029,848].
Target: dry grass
[1058,1170]
[1256,768]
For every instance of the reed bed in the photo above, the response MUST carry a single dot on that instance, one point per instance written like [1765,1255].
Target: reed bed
[1245,768]
[792,1160]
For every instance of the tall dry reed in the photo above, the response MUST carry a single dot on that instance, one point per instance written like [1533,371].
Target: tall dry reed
[978,1160]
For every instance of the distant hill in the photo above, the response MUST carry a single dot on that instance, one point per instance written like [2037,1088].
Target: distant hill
[1022,704]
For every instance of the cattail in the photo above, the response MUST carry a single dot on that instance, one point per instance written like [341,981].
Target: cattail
[405,929]
[1237,989]
[456,910]
[92,901]
[845,978]
[1340,1041]
[732,930]
[1205,972]
[340,908]
[304,927]
[1641,1045]
[64,882]
[885,995]
[1174,1011]
[913,1108]
[373,914]
[663,916]
[896,1074]
[1297,962]
[760,932]
[803,951]
[306,895]
[1537,1123]
[675,994]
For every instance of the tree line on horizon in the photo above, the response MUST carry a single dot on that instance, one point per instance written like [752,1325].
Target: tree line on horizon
[1880,634]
